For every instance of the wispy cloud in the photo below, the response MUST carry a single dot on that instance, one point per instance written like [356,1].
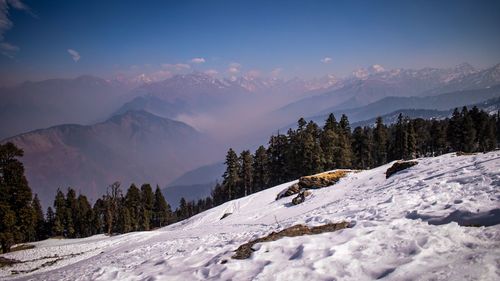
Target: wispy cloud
[74,54]
[8,49]
[326,60]
[198,60]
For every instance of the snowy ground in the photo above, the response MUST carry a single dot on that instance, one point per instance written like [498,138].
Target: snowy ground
[402,232]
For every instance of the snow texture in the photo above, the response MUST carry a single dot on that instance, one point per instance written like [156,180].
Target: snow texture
[412,226]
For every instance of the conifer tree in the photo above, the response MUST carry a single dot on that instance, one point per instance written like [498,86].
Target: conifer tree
[260,169]
[17,221]
[133,204]
[468,141]
[343,154]
[438,139]
[113,201]
[312,160]
[49,219]
[277,151]
[147,200]
[454,133]
[246,172]
[380,141]
[411,142]
[60,216]
[70,213]
[328,141]
[231,177]
[39,219]
[362,148]
[161,210]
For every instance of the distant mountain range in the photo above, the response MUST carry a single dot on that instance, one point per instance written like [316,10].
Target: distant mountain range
[375,83]
[389,104]
[136,146]
[491,106]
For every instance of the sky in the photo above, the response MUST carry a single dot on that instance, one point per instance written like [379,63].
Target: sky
[61,39]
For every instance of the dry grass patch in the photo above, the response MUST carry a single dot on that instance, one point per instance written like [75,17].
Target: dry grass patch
[313,182]
[322,180]
[21,247]
[245,251]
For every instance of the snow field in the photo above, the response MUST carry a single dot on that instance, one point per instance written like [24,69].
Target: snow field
[393,237]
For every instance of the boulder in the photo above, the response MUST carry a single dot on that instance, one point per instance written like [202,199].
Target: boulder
[291,190]
[301,197]
[399,166]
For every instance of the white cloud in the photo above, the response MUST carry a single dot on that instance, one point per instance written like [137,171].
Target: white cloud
[326,60]
[198,60]
[211,72]
[74,54]
[6,24]
[8,49]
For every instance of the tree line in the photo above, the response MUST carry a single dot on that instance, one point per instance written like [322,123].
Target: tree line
[306,150]
[311,149]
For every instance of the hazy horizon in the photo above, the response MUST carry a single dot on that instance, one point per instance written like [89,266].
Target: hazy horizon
[232,38]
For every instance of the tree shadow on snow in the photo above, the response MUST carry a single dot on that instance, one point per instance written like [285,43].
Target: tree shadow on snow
[463,218]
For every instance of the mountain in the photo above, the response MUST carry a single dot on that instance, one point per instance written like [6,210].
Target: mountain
[438,218]
[33,105]
[491,106]
[366,86]
[390,104]
[133,147]
[194,184]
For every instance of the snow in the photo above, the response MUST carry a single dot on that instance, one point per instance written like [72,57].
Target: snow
[393,238]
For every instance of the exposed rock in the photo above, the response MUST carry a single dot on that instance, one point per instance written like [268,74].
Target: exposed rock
[293,189]
[245,250]
[399,166]
[301,197]
[225,215]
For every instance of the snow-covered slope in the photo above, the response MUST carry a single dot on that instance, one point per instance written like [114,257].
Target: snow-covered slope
[401,232]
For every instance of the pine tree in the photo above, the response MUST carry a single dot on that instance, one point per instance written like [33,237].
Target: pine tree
[183,210]
[362,148]
[161,210]
[380,142]
[84,216]
[246,172]
[277,152]
[312,161]
[50,219]
[17,224]
[133,204]
[468,132]
[147,200]
[71,213]
[343,155]
[231,177]
[438,138]
[328,141]
[39,219]
[60,216]
[454,132]
[411,142]
[260,169]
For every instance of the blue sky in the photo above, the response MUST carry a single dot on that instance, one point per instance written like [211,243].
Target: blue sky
[293,38]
